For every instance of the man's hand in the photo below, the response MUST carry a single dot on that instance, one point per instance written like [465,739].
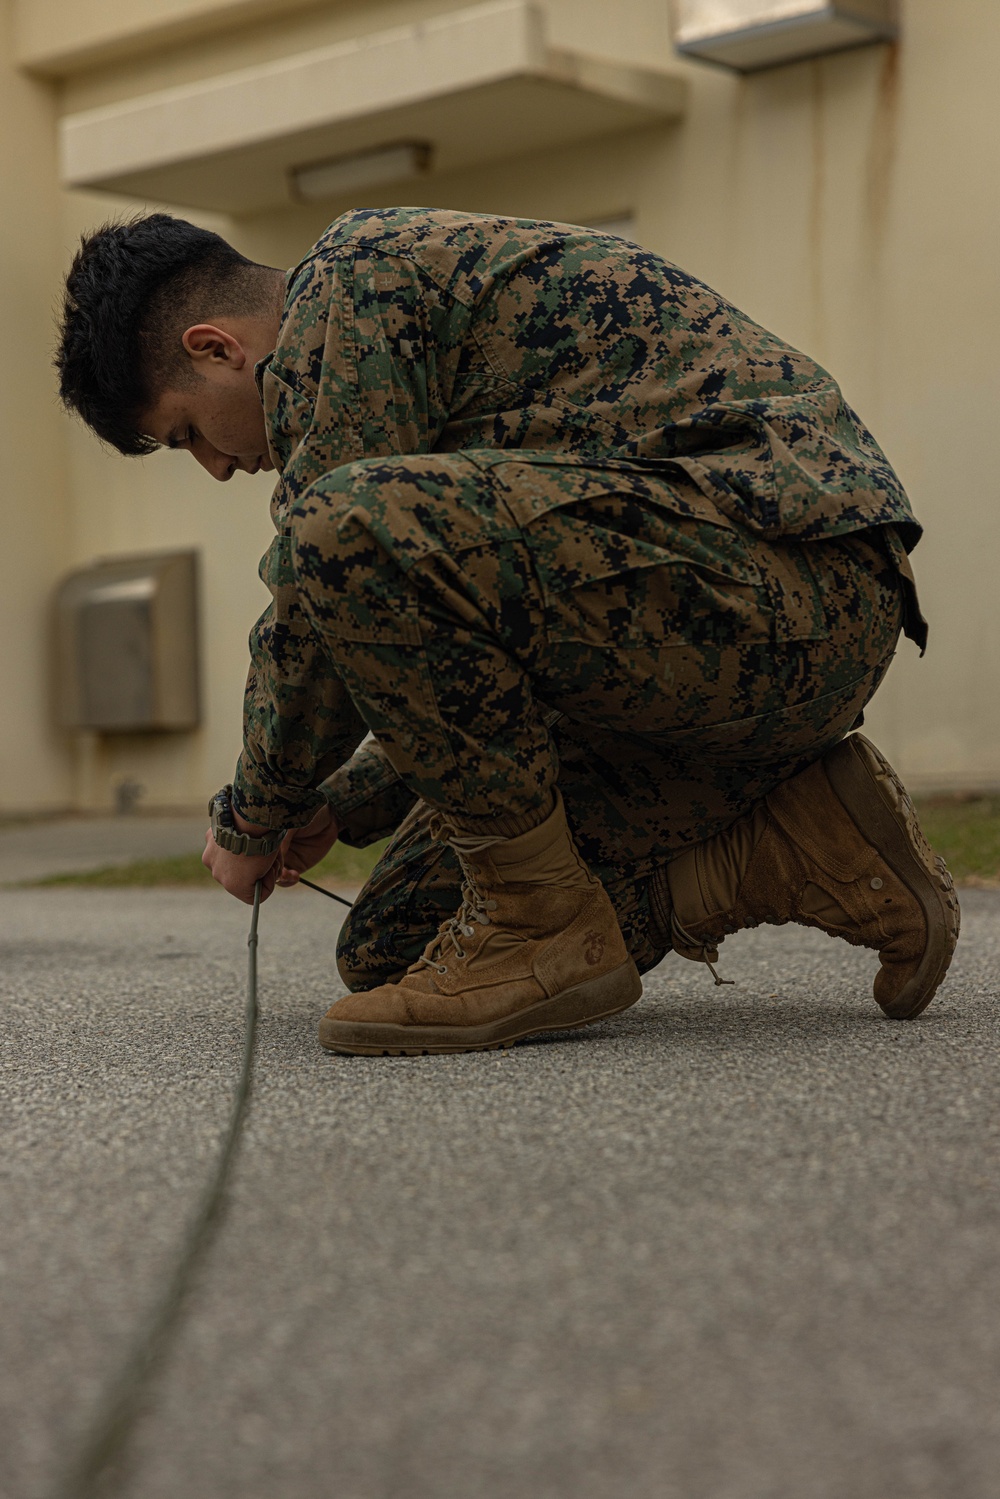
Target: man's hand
[300,850]
[239,873]
[304,847]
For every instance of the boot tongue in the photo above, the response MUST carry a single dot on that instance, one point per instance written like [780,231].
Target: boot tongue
[723,862]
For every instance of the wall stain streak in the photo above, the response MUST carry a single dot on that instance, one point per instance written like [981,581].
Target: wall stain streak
[883,149]
[738,128]
[817,206]
[880,171]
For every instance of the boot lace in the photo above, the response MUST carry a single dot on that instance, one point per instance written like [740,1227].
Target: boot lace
[475,908]
[698,950]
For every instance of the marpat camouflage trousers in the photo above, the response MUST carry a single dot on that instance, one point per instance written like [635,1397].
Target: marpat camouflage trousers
[504,620]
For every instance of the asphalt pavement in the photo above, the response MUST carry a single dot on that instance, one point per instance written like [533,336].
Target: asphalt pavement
[738,1243]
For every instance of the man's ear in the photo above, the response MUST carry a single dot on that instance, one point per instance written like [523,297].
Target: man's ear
[209,346]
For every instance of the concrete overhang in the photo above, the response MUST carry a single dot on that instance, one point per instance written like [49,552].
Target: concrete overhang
[53,39]
[750,35]
[475,85]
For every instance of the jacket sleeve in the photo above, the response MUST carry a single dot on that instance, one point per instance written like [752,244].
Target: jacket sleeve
[299,721]
[364,367]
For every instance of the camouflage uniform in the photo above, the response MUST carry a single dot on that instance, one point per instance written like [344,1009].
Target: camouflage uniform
[549,508]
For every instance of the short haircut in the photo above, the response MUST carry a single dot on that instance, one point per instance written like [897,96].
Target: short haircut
[134,288]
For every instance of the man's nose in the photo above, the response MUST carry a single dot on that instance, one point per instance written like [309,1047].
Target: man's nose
[221,466]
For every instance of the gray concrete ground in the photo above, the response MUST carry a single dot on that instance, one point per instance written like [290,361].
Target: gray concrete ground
[741,1243]
[67,845]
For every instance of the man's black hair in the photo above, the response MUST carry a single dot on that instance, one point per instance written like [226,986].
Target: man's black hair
[134,287]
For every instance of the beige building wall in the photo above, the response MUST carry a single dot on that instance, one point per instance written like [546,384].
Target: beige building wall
[847,203]
[166,502]
[36,769]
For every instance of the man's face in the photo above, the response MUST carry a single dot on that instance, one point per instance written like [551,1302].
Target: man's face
[219,420]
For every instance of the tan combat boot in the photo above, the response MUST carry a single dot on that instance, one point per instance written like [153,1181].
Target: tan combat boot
[536,946]
[837,847]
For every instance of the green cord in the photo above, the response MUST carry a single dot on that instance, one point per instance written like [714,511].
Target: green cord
[324,891]
[123,1401]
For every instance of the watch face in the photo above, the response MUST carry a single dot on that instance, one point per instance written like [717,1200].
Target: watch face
[222,812]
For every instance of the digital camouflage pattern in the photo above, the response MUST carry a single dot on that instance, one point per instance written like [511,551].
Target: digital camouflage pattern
[692,730]
[547,507]
[410,331]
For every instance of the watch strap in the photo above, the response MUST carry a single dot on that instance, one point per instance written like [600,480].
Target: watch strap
[225,833]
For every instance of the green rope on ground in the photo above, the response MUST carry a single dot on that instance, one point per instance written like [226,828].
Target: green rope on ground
[123,1402]
[324,891]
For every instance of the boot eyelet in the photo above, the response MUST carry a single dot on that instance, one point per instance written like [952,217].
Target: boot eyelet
[877,883]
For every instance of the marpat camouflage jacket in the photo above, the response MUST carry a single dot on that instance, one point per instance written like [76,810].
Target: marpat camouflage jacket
[415,330]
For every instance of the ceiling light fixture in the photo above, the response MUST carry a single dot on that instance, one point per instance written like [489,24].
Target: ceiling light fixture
[341,175]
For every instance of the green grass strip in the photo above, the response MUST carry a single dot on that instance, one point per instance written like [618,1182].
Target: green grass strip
[181,869]
[965,830]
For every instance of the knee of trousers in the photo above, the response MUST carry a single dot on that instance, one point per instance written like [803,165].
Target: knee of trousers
[355,960]
[322,514]
[358,976]
[360,970]
[365,958]
[399,509]
[346,573]
[356,532]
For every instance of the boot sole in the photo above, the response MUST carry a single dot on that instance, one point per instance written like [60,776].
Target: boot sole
[880,807]
[580,1005]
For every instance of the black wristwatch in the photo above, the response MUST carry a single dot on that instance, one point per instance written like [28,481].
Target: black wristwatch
[220,810]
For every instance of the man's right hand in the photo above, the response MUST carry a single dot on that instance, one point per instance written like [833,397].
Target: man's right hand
[304,847]
[239,873]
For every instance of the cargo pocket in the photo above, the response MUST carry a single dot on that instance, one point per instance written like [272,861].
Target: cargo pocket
[625,558]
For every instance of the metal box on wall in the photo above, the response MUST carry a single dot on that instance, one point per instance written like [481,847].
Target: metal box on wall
[751,34]
[128,644]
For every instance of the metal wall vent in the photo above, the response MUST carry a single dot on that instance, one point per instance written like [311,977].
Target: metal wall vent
[128,645]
